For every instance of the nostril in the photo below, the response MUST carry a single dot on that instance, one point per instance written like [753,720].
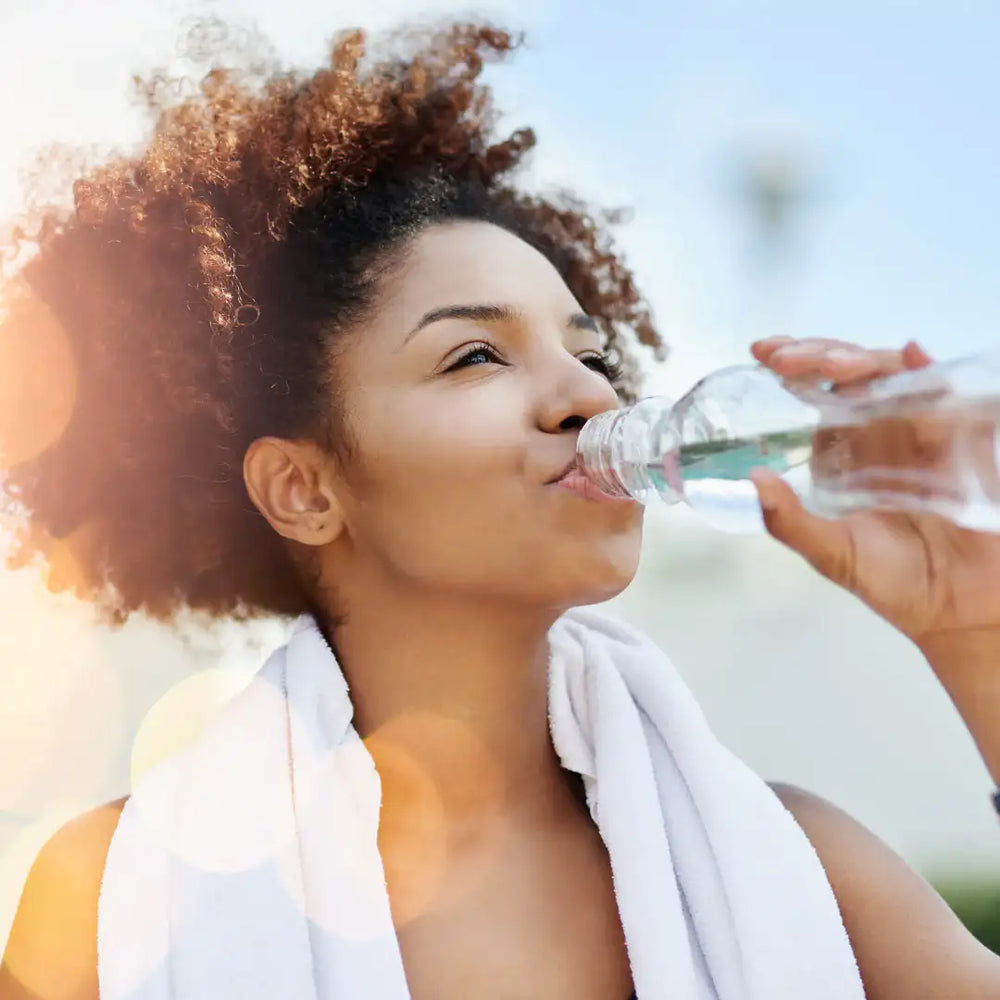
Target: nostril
[572,423]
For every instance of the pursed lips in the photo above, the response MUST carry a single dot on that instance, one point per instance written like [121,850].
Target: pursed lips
[573,479]
[567,470]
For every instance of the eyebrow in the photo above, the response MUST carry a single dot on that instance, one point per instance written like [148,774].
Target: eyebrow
[493,314]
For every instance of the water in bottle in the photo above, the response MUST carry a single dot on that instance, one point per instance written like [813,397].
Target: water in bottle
[923,441]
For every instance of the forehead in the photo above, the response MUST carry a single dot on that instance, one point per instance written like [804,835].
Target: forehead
[461,263]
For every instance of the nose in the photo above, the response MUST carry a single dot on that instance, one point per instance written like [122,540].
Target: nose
[572,396]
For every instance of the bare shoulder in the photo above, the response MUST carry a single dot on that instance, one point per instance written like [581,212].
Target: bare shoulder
[907,940]
[52,947]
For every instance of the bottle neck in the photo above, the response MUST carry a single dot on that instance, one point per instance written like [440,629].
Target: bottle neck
[596,452]
[620,450]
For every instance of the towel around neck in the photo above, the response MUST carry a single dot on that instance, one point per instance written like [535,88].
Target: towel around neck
[248,867]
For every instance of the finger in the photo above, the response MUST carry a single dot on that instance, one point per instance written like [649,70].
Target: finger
[914,356]
[804,347]
[763,349]
[824,544]
[840,364]
[770,345]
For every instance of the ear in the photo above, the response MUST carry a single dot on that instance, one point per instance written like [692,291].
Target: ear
[292,484]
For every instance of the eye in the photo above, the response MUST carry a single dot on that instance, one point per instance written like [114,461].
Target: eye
[483,353]
[603,365]
[476,354]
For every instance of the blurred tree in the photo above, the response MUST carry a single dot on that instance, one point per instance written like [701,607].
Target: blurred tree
[977,905]
[774,181]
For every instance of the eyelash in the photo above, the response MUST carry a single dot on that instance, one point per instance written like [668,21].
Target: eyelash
[609,369]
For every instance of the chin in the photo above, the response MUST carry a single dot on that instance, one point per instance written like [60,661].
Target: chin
[605,592]
[602,578]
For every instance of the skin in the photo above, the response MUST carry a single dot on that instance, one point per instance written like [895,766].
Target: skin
[446,517]
[449,554]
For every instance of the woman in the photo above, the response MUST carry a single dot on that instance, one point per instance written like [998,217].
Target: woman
[331,362]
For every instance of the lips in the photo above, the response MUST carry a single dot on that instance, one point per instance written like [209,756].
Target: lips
[575,481]
[567,470]
[571,478]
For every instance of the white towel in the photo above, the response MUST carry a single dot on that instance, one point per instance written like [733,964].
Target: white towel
[247,867]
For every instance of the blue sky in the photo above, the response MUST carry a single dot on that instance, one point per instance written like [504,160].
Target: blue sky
[892,105]
[895,106]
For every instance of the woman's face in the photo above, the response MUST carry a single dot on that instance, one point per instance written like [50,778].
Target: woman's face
[463,422]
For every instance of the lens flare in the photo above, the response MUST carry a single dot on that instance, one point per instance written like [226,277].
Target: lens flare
[180,715]
[31,967]
[240,819]
[37,380]
[418,817]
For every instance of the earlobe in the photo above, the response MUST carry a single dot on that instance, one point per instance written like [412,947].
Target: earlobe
[289,482]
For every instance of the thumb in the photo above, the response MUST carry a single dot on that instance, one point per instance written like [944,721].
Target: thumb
[824,544]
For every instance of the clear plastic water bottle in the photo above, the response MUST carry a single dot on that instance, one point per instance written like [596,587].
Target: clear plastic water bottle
[923,441]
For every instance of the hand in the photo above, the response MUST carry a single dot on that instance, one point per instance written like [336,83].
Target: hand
[922,573]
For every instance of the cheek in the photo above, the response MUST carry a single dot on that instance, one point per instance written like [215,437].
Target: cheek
[494,538]
[434,485]
[445,518]
[410,439]
[447,499]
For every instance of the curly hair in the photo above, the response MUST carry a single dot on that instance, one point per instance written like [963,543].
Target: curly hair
[194,292]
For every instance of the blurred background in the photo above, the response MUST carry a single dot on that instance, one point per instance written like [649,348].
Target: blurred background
[820,169]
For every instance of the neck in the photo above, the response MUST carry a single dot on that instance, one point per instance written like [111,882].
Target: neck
[450,695]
